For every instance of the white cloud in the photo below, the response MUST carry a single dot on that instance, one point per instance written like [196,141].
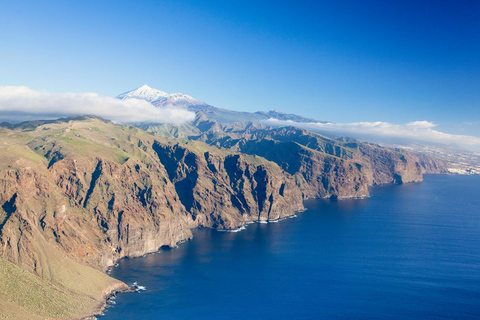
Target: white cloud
[22,103]
[417,131]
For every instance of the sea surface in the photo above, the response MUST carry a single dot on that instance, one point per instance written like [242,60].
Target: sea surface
[407,252]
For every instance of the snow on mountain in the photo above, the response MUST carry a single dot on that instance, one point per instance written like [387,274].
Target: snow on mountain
[177,99]
[162,99]
[143,93]
[159,98]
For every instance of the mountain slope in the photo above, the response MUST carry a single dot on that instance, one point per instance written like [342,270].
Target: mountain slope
[162,99]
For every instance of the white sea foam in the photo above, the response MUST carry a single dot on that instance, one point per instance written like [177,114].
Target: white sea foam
[237,230]
[232,230]
[281,219]
[138,287]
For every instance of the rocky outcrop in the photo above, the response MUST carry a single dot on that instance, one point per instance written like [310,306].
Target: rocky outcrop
[93,212]
[97,198]
[322,167]
[133,205]
[228,190]
[317,174]
[38,230]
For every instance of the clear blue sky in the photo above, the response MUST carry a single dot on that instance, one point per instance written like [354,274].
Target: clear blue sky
[343,61]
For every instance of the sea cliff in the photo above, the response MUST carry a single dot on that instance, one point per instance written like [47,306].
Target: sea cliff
[78,194]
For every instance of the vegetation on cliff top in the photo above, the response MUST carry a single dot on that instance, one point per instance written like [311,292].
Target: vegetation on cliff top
[78,194]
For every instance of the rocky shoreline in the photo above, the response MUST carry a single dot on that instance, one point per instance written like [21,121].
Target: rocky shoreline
[110,294]
[87,192]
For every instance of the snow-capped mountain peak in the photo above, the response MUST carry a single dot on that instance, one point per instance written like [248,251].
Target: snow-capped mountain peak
[159,98]
[177,99]
[144,93]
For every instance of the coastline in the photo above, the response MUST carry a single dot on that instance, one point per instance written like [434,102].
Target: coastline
[330,229]
[109,293]
[103,306]
[124,288]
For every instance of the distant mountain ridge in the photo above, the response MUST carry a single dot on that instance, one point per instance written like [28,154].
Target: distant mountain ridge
[162,99]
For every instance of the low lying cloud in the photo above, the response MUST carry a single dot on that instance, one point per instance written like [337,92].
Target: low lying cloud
[22,103]
[416,131]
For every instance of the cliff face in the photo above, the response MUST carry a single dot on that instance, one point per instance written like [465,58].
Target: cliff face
[98,192]
[228,190]
[77,195]
[133,206]
[322,167]
[38,229]
[316,173]
[93,209]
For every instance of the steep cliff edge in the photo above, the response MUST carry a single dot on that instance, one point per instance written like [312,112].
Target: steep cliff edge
[322,167]
[78,194]
[226,190]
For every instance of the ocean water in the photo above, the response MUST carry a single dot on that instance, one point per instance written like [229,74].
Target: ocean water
[408,252]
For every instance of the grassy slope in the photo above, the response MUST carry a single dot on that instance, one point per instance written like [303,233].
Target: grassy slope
[67,289]
[24,295]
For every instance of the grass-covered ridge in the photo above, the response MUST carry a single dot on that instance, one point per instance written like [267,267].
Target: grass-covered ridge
[90,137]
[60,287]
[24,295]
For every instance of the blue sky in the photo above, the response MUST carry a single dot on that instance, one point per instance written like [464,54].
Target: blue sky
[343,61]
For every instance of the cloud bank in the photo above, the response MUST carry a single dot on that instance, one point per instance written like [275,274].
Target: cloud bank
[22,103]
[416,131]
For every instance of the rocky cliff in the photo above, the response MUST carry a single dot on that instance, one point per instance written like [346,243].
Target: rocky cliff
[99,192]
[225,190]
[321,166]
[78,194]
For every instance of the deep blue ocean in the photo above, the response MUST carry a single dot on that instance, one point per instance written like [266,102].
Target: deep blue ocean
[407,252]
